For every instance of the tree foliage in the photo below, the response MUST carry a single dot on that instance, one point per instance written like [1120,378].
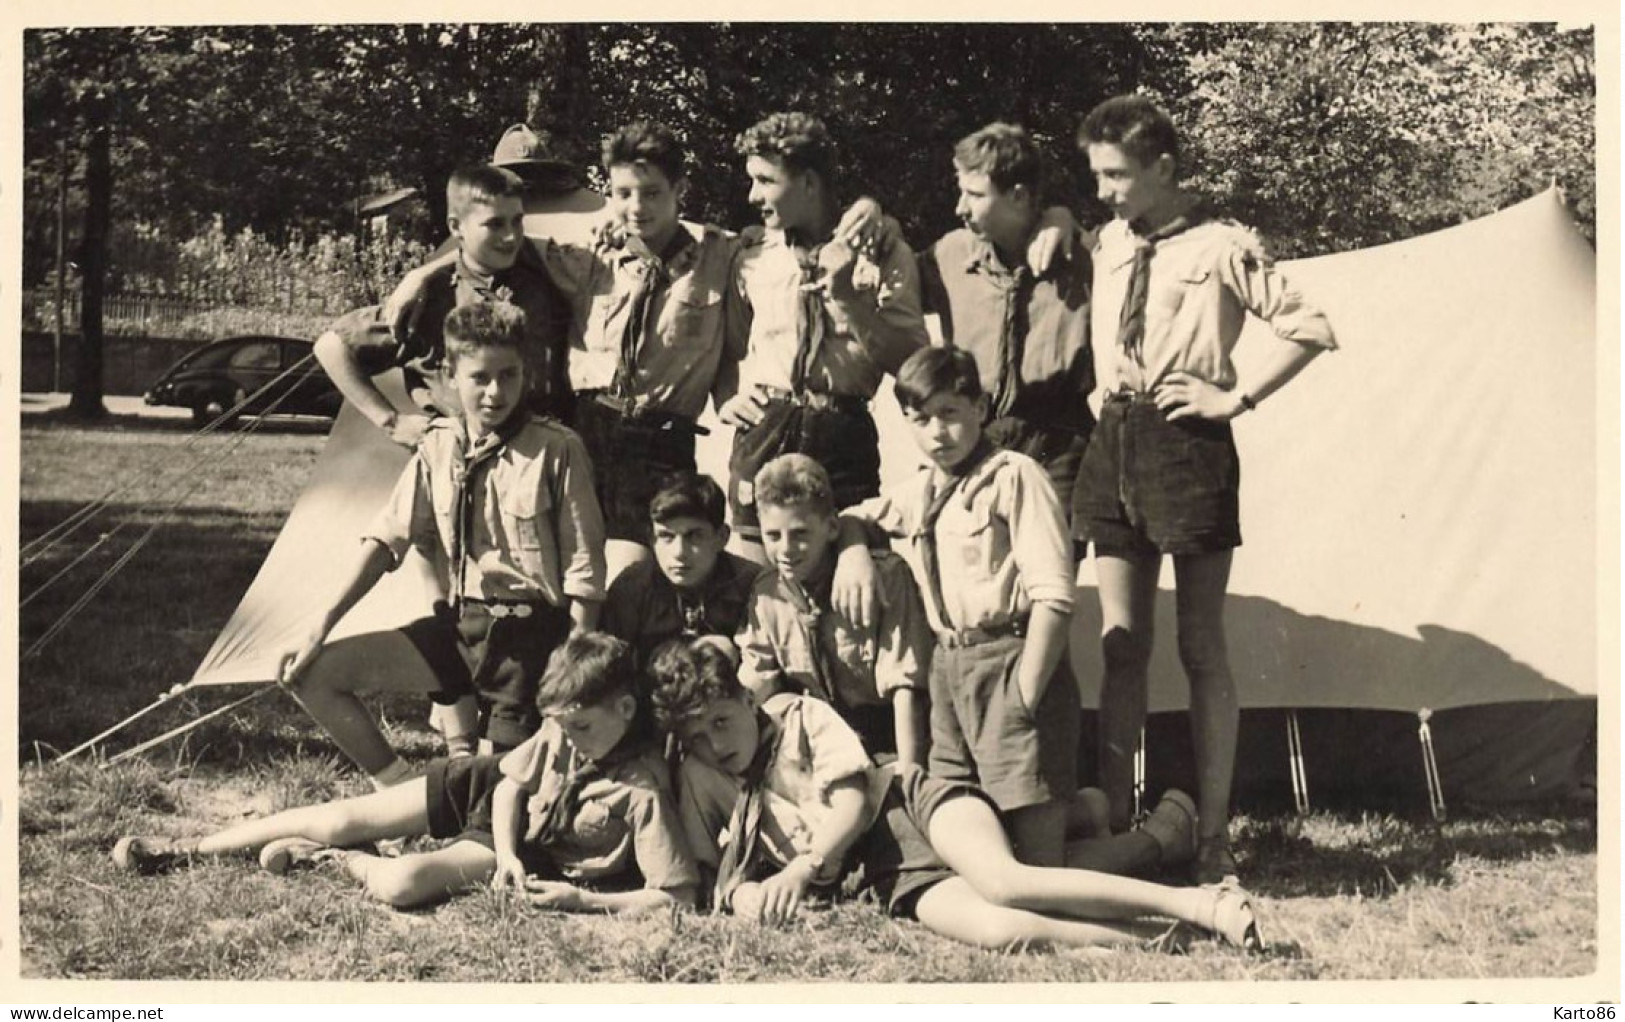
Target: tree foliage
[1325,136]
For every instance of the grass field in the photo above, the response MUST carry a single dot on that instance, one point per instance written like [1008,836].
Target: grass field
[1345,895]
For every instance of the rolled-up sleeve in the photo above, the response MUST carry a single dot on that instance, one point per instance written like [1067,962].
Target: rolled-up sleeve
[905,642]
[1263,290]
[580,522]
[759,669]
[406,520]
[1039,541]
[902,331]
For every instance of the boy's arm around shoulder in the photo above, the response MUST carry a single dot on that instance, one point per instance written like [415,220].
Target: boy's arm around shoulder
[903,658]
[355,348]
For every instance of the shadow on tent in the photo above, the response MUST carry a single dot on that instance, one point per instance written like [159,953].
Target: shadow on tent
[1501,732]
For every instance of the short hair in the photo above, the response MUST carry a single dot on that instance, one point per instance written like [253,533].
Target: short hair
[795,480]
[483,324]
[689,495]
[686,676]
[1005,153]
[932,371]
[590,669]
[1133,123]
[481,182]
[800,141]
[646,142]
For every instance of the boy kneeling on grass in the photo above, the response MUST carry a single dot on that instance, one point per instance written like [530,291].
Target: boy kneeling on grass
[807,803]
[586,799]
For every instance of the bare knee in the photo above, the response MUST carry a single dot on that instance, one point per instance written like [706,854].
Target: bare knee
[399,883]
[1127,653]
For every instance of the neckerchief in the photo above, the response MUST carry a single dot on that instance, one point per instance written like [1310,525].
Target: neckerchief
[936,500]
[1131,320]
[551,821]
[810,315]
[466,471]
[745,822]
[652,274]
[813,606]
[1013,341]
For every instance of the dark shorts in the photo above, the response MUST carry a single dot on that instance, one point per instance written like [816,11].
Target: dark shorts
[630,458]
[982,734]
[459,801]
[500,659]
[1059,450]
[895,853]
[842,439]
[1149,486]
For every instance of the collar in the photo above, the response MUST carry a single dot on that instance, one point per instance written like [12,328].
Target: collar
[983,258]
[1191,211]
[494,440]
[813,595]
[679,255]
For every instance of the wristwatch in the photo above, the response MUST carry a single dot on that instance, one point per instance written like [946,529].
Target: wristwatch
[1248,403]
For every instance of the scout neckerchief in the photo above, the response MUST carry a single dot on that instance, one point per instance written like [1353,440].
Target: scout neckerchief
[1017,284]
[466,473]
[812,602]
[745,822]
[1131,321]
[810,316]
[651,275]
[559,796]
[936,500]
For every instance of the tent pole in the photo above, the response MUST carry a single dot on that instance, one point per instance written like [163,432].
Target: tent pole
[1300,779]
[82,746]
[167,735]
[1139,776]
[1430,764]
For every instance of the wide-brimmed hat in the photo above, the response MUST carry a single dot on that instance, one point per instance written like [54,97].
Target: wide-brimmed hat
[521,147]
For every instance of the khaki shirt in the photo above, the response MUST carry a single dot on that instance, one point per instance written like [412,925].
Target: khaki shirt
[695,314]
[1203,283]
[1002,541]
[536,532]
[972,292]
[851,361]
[814,749]
[624,819]
[867,664]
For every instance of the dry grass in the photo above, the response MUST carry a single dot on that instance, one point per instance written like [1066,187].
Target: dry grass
[1342,896]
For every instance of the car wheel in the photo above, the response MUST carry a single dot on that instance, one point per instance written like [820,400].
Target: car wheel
[214,407]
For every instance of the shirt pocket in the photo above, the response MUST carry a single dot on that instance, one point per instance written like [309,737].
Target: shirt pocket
[526,521]
[606,321]
[970,547]
[694,314]
[1171,293]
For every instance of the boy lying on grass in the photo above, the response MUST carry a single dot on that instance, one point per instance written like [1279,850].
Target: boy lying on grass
[571,818]
[781,800]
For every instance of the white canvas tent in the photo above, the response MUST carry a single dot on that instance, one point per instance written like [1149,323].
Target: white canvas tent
[1419,511]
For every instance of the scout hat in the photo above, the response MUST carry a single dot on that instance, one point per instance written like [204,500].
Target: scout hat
[521,147]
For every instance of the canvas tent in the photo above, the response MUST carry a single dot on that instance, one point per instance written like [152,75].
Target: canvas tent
[1419,510]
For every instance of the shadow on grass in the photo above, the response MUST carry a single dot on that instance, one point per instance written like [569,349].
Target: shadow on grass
[53,418]
[1326,855]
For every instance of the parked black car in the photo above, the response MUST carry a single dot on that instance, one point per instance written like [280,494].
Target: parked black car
[219,376]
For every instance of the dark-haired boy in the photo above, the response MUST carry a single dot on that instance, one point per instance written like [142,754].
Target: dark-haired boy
[1173,288]
[693,587]
[826,323]
[991,554]
[501,503]
[574,819]
[484,211]
[1029,332]
[873,673]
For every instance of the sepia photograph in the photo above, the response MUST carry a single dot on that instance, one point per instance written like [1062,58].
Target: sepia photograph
[1035,504]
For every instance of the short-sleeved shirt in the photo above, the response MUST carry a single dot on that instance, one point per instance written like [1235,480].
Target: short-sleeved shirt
[1002,542]
[1204,281]
[535,529]
[525,284]
[867,665]
[982,304]
[813,749]
[624,814]
[693,314]
[646,609]
[852,360]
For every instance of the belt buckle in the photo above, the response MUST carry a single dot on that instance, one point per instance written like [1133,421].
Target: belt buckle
[519,610]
